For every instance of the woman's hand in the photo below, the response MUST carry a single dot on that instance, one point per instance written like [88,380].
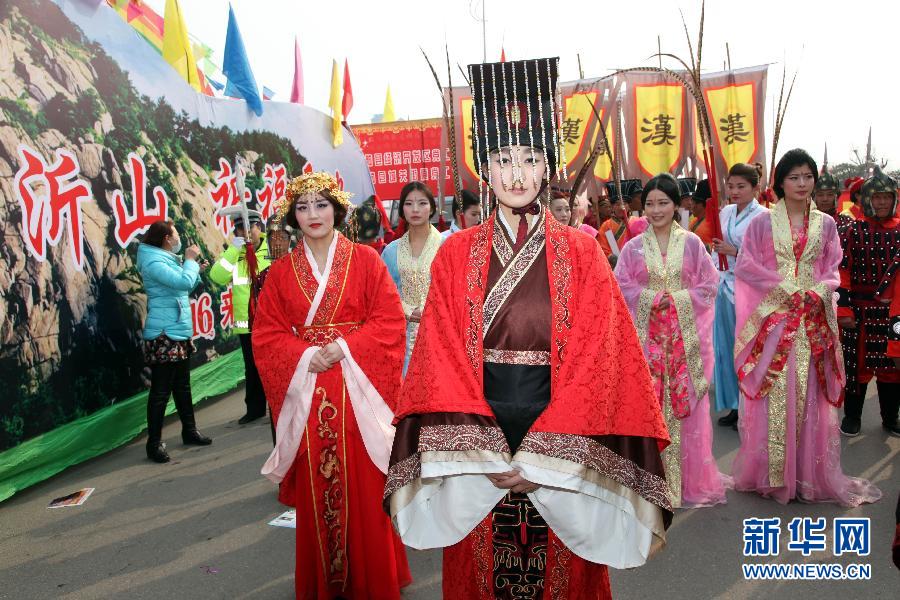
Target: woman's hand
[332,353]
[192,252]
[415,316]
[513,481]
[319,364]
[723,247]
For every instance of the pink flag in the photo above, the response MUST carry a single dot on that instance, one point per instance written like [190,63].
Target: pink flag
[297,87]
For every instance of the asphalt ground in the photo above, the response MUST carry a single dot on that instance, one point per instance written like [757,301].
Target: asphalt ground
[197,528]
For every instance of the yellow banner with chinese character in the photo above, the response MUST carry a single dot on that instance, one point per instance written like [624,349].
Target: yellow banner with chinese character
[602,166]
[732,111]
[658,123]
[573,129]
[464,111]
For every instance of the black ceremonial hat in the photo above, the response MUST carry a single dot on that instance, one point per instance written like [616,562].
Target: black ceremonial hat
[514,103]
[687,186]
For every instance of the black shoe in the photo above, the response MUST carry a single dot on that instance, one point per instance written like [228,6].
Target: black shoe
[734,426]
[249,418]
[892,428]
[157,452]
[729,420]
[195,438]
[850,426]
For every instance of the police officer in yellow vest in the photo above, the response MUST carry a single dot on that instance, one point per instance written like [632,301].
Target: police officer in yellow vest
[231,267]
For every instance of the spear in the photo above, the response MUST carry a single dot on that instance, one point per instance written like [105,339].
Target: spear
[693,84]
[779,116]
[245,215]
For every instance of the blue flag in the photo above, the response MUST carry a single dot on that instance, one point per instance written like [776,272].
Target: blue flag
[236,67]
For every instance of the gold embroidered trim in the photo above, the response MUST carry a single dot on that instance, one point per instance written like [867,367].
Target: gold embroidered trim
[512,274]
[671,456]
[594,455]
[796,276]
[517,357]
[560,276]
[559,573]
[435,438]
[667,276]
[501,243]
[645,307]
[415,273]
[332,469]
[479,255]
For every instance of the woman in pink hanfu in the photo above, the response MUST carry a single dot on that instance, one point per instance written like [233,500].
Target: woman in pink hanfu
[669,283]
[788,352]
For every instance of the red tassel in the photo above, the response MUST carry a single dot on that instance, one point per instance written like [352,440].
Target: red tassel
[252,267]
[385,221]
[712,205]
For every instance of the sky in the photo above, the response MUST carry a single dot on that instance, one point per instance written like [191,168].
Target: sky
[845,52]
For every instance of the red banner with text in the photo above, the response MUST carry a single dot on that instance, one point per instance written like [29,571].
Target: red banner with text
[404,151]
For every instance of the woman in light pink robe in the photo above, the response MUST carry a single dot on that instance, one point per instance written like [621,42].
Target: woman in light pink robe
[671,298]
[788,358]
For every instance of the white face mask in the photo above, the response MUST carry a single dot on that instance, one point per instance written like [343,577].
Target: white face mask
[176,248]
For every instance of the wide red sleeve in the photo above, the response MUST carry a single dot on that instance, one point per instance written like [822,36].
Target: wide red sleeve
[603,375]
[276,347]
[445,368]
[378,345]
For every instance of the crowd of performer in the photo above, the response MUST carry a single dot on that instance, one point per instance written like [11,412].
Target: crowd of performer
[532,392]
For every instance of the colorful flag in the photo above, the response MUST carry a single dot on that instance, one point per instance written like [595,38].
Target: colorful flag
[334,101]
[655,116]
[203,54]
[736,102]
[297,86]
[388,108]
[502,54]
[177,49]
[347,103]
[236,67]
[733,114]
[142,19]
[267,93]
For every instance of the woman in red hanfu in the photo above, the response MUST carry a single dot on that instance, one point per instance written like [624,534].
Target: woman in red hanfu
[528,438]
[330,330]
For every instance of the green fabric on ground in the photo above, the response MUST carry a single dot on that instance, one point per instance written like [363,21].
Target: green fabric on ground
[46,455]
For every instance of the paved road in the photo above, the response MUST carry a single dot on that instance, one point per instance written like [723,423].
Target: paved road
[197,528]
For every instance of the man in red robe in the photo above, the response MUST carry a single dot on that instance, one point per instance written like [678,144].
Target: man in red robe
[528,438]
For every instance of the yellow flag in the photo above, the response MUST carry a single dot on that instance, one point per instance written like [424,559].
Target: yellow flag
[334,102]
[733,115]
[465,113]
[388,108]
[176,47]
[658,118]
[575,120]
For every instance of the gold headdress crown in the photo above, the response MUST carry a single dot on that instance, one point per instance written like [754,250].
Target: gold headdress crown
[312,183]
